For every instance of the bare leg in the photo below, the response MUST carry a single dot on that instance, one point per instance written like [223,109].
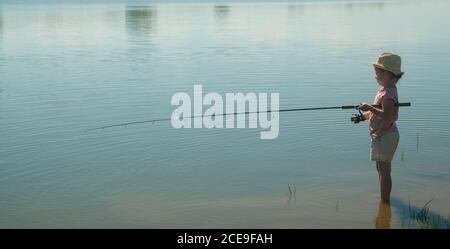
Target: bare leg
[384,173]
[378,169]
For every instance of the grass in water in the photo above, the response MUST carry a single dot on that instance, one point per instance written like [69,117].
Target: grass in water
[292,190]
[292,193]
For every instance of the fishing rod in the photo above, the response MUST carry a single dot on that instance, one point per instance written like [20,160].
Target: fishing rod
[356,118]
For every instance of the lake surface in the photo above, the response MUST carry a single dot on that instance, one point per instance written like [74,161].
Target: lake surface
[68,67]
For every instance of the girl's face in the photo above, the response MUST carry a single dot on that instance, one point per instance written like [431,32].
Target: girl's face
[383,77]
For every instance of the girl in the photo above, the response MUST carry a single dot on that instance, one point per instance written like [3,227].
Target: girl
[382,127]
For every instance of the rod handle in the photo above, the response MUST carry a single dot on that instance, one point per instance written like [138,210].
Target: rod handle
[404,104]
[399,104]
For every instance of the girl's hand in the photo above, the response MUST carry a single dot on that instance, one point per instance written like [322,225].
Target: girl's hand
[364,107]
[367,115]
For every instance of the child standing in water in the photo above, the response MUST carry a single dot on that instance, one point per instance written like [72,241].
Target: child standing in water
[382,127]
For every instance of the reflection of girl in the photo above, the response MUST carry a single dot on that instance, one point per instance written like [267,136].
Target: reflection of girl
[383,219]
[383,130]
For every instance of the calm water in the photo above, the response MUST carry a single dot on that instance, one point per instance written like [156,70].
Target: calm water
[65,68]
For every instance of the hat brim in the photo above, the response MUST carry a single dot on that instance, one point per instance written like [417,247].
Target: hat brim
[380,66]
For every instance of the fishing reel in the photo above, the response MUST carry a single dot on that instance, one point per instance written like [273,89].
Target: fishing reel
[356,118]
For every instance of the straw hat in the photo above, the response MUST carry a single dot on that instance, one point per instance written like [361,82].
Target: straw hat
[390,62]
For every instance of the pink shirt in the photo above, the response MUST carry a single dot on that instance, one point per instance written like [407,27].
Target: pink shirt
[377,125]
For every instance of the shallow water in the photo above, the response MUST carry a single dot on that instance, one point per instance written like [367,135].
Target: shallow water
[68,67]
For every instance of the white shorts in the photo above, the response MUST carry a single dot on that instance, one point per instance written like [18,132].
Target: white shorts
[383,148]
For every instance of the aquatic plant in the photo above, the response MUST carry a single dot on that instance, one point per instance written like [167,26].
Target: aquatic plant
[292,190]
[292,193]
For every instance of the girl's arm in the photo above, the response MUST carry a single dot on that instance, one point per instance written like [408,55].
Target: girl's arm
[386,110]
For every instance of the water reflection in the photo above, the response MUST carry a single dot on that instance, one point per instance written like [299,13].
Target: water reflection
[370,5]
[383,219]
[140,20]
[295,9]
[221,13]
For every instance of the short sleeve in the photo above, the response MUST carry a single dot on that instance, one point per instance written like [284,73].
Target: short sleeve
[391,93]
